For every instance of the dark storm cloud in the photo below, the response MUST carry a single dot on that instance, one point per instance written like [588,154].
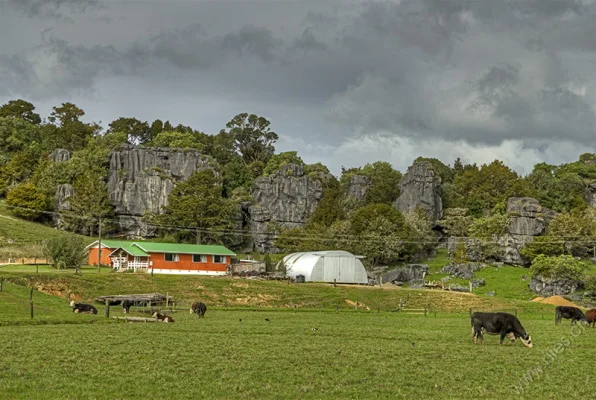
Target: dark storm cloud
[473,73]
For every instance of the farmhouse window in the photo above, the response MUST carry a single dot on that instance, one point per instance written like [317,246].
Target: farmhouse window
[199,258]
[171,257]
[219,259]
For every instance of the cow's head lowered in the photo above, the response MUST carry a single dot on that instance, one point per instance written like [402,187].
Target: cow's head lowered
[527,340]
[72,303]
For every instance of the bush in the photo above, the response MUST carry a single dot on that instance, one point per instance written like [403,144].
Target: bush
[590,283]
[546,245]
[66,252]
[559,267]
[28,201]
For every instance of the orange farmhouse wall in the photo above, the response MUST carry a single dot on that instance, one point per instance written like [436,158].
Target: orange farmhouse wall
[185,263]
[105,256]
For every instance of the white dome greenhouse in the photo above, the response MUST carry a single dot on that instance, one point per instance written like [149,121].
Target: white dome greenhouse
[325,266]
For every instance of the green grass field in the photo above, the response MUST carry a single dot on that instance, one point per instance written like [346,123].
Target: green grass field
[239,355]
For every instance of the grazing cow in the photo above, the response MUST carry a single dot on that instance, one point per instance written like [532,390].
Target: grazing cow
[83,308]
[572,313]
[199,308]
[504,324]
[126,304]
[591,317]
[162,317]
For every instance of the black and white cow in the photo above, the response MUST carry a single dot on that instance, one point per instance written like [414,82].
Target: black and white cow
[503,324]
[126,304]
[199,308]
[572,313]
[83,308]
[162,317]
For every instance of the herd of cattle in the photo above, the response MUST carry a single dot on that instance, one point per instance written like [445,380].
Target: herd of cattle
[198,308]
[497,323]
[507,325]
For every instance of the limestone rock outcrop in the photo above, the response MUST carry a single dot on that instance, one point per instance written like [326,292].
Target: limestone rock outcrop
[141,179]
[285,199]
[60,155]
[358,185]
[421,187]
[553,287]
[408,273]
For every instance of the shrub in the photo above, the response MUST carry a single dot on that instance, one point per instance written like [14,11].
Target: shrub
[28,201]
[546,245]
[66,252]
[590,283]
[559,267]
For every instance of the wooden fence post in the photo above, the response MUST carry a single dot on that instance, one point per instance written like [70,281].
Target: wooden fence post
[1,281]
[107,308]
[334,282]
[31,302]
[167,299]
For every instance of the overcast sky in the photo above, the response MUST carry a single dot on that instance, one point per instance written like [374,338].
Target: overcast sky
[342,82]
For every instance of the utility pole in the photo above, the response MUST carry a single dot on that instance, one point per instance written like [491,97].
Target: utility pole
[99,248]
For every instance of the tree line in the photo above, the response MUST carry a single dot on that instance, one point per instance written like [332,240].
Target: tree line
[208,204]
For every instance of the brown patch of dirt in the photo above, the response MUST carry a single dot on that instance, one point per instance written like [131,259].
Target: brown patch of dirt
[555,301]
[240,285]
[359,304]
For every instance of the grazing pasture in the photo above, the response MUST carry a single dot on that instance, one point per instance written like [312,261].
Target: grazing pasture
[240,355]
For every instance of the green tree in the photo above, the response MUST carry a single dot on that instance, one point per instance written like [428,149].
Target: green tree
[70,133]
[20,109]
[28,202]
[16,135]
[384,183]
[185,140]
[330,207]
[484,188]
[88,205]
[197,204]
[66,252]
[460,255]
[456,222]
[136,131]
[253,138]
[235,175]
[277,160]
[546,245]
[559,267]
[20,168]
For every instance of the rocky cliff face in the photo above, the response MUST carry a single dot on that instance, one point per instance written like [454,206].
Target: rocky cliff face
[141,179]
[590,195]
[420,187]
[285,199]
[527,220]
[357,187]
[60,155]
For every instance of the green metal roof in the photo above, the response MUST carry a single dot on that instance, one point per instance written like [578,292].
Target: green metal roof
[132,250]
[152,247]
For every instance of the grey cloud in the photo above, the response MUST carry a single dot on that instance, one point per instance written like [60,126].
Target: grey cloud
[53,9]
[56,68]
[253,41]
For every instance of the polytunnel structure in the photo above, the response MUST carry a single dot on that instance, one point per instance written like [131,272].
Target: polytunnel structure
[325,266]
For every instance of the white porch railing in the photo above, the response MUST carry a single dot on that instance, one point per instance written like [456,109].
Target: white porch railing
[122,264]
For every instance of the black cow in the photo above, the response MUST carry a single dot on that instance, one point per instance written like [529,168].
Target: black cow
[572,313]
[126,304]
[199,308]
[503,324]
[83,308]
